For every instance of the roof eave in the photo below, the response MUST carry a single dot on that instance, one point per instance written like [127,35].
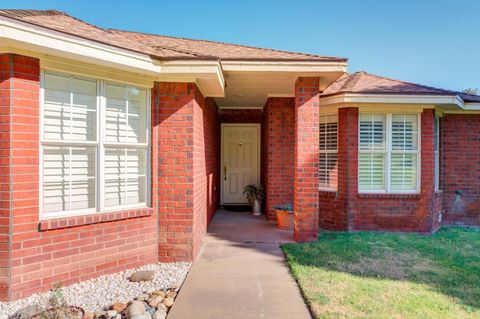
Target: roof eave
[349,98]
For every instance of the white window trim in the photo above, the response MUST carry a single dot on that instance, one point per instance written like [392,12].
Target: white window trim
[322,188]
[100,151]
[388,151]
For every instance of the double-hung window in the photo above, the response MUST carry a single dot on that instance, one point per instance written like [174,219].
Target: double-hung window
[328,168]
[388,160]
[94,146]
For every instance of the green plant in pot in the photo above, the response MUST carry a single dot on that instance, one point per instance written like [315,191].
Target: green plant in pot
[255,196]
[284,215]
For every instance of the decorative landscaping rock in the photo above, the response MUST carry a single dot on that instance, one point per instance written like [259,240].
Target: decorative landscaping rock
[168,302]
[26,313]
[136,308]
[155,301]
[159,314]
[143,275]
[109,296]
[119,306]
[159,293]
[171,294]
[161,306]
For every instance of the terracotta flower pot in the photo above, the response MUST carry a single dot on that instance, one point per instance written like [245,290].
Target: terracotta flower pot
[284,219]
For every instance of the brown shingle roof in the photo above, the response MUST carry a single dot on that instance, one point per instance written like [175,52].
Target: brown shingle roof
[158,46]
[366,83]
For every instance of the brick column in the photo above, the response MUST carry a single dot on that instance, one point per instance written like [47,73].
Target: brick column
[185,167]
[172,126]
[306,159]
[279,132]
[19,105]
[428,200]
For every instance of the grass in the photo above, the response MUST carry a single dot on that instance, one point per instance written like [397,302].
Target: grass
[390,275]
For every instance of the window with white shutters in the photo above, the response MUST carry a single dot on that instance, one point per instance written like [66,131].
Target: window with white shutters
[388,153]
[328,168]
[94,145]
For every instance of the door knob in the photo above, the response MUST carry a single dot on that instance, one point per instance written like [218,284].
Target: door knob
[225,168]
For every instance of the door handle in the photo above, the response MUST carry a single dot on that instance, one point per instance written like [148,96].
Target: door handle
[225,168]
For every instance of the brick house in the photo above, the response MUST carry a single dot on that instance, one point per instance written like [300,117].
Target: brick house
[117,147]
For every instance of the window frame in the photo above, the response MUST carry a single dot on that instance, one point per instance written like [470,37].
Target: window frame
[326,152]
[388,151]
[100,145]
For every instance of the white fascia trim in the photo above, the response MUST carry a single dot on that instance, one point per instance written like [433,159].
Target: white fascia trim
[284,66]
[193,67]
[352,98]
[21,36]
[38,39]
[472,106]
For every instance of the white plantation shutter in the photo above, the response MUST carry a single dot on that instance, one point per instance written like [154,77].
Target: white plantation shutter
[125,115]
[388,153]
[69,138]
[125,146]
[404,149]
[125,176]
[371,171]
[372,152]
[70,108]
[71,147]
[328,168]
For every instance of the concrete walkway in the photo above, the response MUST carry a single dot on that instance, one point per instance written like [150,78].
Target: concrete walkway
[240,273]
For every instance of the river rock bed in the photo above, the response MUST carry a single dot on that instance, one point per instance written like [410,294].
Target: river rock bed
[99,295]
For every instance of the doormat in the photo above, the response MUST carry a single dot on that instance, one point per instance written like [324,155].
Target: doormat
[238,208]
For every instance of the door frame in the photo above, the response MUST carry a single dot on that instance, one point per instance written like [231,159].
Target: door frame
[259,140]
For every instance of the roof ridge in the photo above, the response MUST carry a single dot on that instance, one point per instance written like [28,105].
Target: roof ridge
[234,44]
[406,82]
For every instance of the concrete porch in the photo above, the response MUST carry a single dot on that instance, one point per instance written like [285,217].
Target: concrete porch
[241,266]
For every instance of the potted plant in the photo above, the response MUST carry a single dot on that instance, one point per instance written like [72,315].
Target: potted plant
[284,216]
[255,196]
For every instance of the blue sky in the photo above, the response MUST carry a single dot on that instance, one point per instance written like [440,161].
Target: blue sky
[434,42]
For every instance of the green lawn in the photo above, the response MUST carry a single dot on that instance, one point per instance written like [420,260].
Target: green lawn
[390,275]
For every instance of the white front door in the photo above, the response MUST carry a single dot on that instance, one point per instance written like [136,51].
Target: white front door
[240,164]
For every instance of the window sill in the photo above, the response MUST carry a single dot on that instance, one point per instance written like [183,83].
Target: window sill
[327,191]
[389,195]
[75,221]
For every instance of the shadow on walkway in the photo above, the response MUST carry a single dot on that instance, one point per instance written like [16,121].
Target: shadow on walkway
[240,273]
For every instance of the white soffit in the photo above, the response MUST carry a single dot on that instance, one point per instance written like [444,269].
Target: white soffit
[250,84]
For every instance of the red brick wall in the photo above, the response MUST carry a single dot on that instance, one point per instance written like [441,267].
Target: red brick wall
[278,156]
[5,63]
[306,149]
[205,167]
[460,151]
[68,253]
[333,205]
[186,155]
[241,116]
[349,210]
